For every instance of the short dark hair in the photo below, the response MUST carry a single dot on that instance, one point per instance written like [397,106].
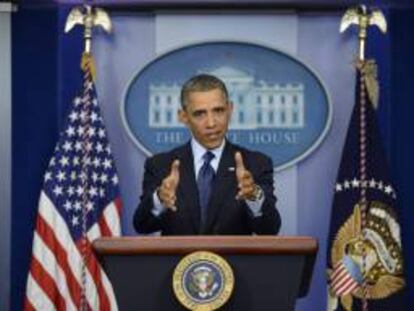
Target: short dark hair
[202,83]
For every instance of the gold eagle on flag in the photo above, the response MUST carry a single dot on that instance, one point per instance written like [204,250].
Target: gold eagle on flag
[383,257]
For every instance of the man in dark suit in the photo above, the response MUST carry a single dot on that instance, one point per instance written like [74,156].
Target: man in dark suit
[209,185]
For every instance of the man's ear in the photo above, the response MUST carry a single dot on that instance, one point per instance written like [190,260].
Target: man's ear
[182,116]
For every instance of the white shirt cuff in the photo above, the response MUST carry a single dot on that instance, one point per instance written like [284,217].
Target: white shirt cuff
[256,206]
[158,208]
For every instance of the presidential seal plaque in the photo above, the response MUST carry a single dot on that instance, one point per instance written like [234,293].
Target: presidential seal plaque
[203,281]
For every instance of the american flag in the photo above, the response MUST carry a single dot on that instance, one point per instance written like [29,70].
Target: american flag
[79,202]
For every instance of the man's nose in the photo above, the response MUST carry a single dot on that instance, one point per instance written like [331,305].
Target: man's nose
[211,120]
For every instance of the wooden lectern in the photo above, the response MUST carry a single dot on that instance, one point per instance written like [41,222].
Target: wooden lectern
[270,272]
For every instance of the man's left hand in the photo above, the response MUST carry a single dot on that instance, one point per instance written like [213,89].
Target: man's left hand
[245,181]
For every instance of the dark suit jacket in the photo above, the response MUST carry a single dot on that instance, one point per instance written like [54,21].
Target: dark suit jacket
[225,214]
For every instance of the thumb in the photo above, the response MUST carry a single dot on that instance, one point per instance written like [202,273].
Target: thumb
[175,170]
[239,164]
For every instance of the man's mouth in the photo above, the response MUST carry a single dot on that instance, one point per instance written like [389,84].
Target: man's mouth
[214,135]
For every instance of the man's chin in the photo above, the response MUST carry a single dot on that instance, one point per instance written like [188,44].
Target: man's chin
[213,144]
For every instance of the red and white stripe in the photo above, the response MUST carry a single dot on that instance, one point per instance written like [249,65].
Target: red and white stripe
[55,275]
[342,282]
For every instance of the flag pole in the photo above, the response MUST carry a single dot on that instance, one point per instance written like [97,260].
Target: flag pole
[367,84]
[88,17]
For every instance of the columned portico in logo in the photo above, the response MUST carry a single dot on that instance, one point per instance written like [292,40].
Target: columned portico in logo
[255,104]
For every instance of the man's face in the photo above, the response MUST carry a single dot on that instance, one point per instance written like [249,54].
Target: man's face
[207,115]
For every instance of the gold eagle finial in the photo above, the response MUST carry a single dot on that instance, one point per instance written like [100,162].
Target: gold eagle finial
[88,17]
[361,17]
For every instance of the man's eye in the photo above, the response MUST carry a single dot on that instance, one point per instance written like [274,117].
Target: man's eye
[197,113]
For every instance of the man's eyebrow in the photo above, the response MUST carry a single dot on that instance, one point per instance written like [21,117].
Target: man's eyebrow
[198,111]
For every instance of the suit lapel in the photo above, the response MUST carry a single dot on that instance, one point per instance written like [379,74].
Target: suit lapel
[222,185]
[188,185]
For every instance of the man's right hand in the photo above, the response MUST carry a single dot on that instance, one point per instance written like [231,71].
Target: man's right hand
[168,188]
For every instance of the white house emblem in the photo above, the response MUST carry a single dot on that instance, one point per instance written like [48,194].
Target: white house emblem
[280,106]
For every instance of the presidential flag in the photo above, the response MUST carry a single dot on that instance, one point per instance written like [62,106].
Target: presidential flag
[365,263]
[79,203]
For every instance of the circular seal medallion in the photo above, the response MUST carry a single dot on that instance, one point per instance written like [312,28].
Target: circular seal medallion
[203,281]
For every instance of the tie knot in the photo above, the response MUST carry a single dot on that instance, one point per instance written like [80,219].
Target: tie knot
[208,156]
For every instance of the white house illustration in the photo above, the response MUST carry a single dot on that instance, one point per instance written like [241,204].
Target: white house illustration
[257,104]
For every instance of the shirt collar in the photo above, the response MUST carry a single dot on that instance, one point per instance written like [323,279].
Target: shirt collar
[199,151]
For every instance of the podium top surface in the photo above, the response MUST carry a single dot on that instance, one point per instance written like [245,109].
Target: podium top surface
[221,244]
